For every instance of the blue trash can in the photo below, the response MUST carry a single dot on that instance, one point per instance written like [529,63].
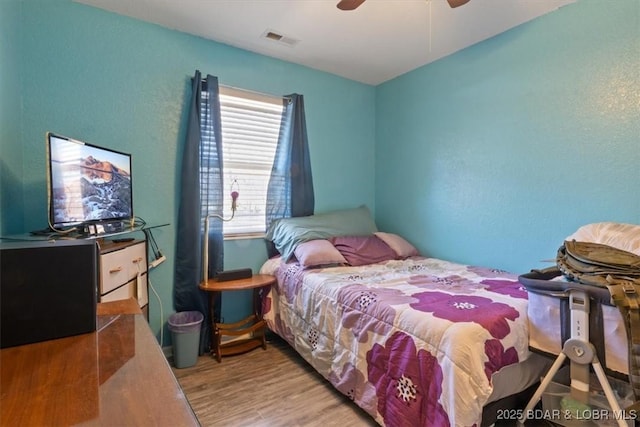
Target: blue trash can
[185,334]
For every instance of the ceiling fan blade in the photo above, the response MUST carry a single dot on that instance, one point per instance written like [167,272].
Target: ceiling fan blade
[456,3]
[349,4]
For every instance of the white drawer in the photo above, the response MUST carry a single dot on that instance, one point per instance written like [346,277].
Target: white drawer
[143,291]
[123,292]
[130,290]
[120,266]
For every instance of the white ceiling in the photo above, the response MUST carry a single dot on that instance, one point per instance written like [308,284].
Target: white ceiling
[380,40]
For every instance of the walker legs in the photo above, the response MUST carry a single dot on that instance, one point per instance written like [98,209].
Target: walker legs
[543,386]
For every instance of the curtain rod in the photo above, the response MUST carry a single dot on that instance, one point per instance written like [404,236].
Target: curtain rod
[285,98]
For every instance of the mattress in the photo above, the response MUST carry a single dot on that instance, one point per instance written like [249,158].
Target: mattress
[419,341]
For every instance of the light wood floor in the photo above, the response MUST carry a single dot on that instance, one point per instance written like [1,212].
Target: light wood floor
[272,387]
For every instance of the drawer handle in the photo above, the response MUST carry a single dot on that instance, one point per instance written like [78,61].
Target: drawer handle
[115,270]
[136,260]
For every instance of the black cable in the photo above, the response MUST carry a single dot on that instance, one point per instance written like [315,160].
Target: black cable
[139,222]
[154,245]
[150,243]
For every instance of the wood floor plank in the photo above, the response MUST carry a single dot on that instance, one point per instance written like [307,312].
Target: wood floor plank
[273,387]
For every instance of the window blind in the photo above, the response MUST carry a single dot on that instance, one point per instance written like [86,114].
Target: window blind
[250,128]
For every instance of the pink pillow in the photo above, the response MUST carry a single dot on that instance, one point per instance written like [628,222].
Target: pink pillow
[362,250]
[403,248]
[316,253]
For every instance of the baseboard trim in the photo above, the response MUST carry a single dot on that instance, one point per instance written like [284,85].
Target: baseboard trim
[168,352]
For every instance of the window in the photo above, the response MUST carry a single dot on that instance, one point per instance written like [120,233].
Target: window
[250,128]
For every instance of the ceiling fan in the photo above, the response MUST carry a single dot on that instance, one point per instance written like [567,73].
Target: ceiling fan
[353,4]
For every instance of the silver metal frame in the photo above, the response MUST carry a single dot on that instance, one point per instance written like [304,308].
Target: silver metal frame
[581,354]
[205,251]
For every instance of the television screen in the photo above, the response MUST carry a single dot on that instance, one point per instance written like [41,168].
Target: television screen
[87,183]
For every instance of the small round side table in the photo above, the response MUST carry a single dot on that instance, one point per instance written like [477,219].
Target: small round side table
[253,325]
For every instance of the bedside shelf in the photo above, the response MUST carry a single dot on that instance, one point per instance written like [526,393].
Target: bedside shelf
[253,326]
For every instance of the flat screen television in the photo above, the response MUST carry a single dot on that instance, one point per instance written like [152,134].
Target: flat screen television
[87,184]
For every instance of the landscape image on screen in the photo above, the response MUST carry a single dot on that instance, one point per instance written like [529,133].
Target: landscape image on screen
[88,183]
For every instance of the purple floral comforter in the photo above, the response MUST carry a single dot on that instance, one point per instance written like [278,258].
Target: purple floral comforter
[412,342]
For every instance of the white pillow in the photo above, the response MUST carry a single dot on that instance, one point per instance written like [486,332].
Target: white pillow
[271,265]
[318,253]
[625,237]
[401,247]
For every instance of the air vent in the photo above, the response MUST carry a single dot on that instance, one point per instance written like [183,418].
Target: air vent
[273,36]
[279,38]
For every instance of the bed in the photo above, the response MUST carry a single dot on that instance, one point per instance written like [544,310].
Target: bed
[412,340]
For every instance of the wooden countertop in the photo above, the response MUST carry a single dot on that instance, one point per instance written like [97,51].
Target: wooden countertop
[115,376]
[125,306]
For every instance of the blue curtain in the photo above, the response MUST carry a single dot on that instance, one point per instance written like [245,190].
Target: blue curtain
[290,190]
[200,193]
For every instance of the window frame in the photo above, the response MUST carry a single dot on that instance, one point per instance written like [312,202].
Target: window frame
[277,104]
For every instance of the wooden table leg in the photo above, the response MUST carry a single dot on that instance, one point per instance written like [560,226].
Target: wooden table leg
[257,311]
[215,338]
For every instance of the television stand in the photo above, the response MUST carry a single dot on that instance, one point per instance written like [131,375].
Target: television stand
[44,232]
[106,230]
[123,271]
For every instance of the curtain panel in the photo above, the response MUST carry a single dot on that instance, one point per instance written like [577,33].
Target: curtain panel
[290,191]
[200,194]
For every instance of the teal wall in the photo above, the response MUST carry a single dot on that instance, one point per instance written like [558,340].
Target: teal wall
[490,156]
[124,84]
[11,201]
[507,147]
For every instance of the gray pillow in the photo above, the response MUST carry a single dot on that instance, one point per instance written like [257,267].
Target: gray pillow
[287,233]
